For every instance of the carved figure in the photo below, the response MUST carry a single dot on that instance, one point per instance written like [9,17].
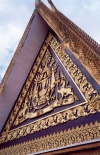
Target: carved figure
[80,111]
[64,114]
[23,110]
[43,124]
[63,81]
[65,91]
[94,105]
[70,115]
[43,95]
[50,121]
[35,91]
[53,78]
[70,64]
[14,134]
[78,76]
[90,91]
[60,118]
[36,126]
[73,70]
[84,83]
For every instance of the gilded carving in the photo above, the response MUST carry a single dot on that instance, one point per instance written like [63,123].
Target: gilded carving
[94,105]
[60,97]
[81,111]
[77,75]
[59,139]
[48,85]
[84,47]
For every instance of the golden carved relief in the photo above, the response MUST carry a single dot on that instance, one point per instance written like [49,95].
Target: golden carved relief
[48,85]
[57,81]
[27,84]
[80,79]
[59,139]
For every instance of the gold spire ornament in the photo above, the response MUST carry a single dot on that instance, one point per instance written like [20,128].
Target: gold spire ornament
[37,2]
[53,8]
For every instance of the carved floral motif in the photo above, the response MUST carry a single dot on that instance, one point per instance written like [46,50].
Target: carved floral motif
[59,139]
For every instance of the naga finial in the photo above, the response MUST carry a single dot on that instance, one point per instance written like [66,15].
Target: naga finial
[37,2]
[53,8]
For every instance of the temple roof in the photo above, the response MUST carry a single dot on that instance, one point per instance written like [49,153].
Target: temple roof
[29,46]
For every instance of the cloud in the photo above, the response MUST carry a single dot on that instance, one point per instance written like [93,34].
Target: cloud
[14,16]
[85,14]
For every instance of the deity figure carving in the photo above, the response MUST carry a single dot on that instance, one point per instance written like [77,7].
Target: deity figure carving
[50,89]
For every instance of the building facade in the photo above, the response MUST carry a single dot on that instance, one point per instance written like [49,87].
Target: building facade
[50,94]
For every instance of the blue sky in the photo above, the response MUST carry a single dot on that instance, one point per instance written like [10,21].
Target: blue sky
[15,14]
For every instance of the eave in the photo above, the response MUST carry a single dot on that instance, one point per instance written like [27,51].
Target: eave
[75,39]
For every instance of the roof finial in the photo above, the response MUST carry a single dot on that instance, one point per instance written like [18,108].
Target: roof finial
[52,5]
[37,2]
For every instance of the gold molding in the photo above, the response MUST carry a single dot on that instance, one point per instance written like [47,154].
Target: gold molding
[81,45]
[56,140]
[92,106]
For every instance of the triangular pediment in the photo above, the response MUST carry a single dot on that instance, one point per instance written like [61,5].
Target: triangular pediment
[51,89]
[54,92]
[54,88]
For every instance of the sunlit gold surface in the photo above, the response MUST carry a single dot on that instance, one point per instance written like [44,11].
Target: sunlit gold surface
[91,106]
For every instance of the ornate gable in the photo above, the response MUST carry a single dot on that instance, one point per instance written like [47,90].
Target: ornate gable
[56,92]
[59,103]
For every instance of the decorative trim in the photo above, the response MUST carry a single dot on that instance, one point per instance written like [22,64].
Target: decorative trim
[53,8]
[92,106]
[82,46]
[56,140]
[2,84]
[77,75]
